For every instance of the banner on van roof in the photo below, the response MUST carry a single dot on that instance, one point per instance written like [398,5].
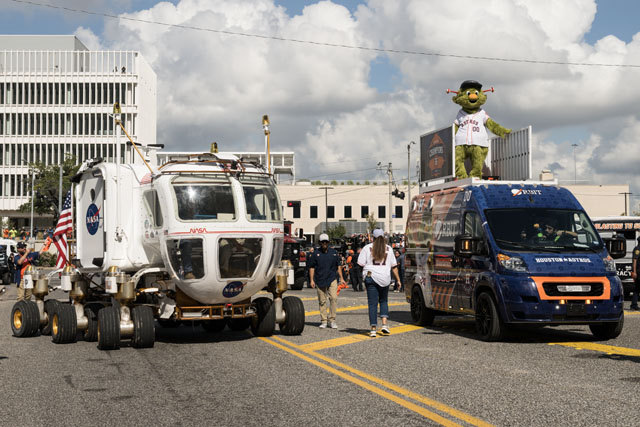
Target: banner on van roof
[437,155]
[510,158]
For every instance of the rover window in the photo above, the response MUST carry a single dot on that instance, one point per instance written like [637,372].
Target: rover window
[186,257]
[263,203]
[153,207]
[238,258]
[201,200]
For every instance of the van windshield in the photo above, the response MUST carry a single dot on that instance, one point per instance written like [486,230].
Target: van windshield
[554,230]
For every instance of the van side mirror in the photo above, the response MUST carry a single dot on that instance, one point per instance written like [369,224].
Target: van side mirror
[616,246]
[464,245]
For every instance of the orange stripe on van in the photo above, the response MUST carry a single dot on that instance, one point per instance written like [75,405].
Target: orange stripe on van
[606,287]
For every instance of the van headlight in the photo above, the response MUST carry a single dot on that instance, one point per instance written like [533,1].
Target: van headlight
[609,264]
[512,263]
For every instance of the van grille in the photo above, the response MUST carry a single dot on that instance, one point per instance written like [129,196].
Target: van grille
[552,289]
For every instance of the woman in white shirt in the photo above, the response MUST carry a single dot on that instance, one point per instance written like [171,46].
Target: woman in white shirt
[377,261]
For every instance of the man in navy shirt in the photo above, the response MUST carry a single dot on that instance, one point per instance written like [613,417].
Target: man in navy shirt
[324,270]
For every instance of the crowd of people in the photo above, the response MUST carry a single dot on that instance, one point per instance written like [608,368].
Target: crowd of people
[374,263]
[23,233]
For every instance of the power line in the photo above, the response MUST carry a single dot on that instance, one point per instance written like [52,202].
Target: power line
[338,45]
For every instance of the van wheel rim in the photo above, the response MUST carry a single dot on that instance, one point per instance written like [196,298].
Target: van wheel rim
[17,319]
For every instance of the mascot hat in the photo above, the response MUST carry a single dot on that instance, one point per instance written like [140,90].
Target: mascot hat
[470,84]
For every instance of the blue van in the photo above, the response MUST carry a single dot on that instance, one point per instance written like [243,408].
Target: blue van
[510,253]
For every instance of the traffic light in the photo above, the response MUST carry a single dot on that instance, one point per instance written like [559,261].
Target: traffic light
[293,204]
[398,194]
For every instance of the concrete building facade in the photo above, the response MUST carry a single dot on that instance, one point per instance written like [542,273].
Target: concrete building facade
[57,98]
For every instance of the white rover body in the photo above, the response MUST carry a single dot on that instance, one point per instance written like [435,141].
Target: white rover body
[191,240]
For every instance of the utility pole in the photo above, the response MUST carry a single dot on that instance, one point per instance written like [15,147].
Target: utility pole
[326,208]
[390,174]
[626,193]
[409,177]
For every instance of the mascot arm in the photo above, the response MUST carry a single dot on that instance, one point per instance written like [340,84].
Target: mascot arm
[497,129]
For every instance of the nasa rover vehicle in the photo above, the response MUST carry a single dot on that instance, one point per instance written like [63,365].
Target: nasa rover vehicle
[187,241]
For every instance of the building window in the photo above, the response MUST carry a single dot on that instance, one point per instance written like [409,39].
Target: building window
[313,212]
[331,211]
[347,212]
[398,211]
[364,211]
[296,210]
[382,212]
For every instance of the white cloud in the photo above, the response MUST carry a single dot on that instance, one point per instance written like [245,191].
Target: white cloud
[217,86]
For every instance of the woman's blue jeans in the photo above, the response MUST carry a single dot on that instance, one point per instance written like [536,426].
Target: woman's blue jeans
[376,294]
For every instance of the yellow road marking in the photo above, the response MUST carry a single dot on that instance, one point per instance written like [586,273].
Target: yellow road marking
[354,308]
[352,339]
[402,402]
[602,348]
[400,390]
[309,299]
[631,313]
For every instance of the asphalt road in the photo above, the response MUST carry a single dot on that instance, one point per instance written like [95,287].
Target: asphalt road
[417,376]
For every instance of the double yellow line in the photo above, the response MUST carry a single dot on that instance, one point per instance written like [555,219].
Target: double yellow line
[368,382]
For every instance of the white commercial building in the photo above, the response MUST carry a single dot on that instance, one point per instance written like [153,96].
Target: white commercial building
[57,98]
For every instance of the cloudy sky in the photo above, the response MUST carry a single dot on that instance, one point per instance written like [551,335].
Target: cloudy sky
[344,110]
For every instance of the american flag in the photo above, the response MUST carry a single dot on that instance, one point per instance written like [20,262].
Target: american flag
[60,234]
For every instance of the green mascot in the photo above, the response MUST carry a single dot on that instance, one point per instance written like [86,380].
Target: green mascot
[472,122]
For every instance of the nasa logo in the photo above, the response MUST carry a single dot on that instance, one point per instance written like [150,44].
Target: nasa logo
[93,219]
[232,289]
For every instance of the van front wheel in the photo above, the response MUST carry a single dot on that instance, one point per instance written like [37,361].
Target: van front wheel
[488,323]
[607,331]
[420,314]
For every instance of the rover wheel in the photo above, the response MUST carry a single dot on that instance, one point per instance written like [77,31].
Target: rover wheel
[64,324]
[264,323]
[108,328]
[294,320]
[25,319]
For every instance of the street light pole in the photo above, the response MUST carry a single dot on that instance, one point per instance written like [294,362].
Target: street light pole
[574,163]
[409,177]
[33,194]
[326,208]
[626,193]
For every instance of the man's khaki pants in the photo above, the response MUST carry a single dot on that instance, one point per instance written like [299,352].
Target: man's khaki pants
[24,293]
[332,293]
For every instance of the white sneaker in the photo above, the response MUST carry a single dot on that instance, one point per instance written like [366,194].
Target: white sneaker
[372,334]
[333,325]
[323,325]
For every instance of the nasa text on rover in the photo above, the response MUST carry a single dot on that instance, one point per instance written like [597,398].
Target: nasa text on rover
[189,240]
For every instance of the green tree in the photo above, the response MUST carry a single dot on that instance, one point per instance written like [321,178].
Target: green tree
[349,182]
[367,182]
[372,222]
[45,201]
[336,232]
[334,182]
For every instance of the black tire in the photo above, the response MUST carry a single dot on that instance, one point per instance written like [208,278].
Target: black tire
[420,313]
[144,327]
[241,324]
[25,319]
[488,323]
[294,316]
[168,323]
[64,324]
[50,306]
[214,326]
[264,323]
[607,331]
[7,278]
[108,328]
[91,333]
[298,283]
